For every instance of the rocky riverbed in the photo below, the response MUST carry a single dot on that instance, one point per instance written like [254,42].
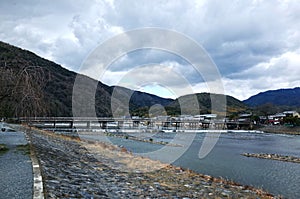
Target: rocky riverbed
[285,158]
[74,168]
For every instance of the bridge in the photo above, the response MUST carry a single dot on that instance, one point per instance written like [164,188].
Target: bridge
[91,123]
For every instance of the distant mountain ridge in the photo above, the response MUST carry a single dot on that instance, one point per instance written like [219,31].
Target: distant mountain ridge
[280,97]
[232,105]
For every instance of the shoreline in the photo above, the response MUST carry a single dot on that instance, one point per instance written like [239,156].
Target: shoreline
[277,129]
[61,155]
[280,130]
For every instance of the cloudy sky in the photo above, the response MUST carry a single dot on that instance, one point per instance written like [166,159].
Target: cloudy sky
[254,44]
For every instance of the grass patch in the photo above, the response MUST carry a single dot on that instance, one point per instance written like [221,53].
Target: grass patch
[3,148]
[25,148]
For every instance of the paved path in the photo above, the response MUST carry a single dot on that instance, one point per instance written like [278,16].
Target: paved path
[16,179]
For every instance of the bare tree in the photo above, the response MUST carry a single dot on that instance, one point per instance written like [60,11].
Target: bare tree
[22,90]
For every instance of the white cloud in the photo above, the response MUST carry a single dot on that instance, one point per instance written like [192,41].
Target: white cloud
[285,66]
[64,32]
[149,77]
[279,72]
[254,43]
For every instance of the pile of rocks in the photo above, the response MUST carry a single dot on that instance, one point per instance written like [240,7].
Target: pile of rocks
[70,171]
[285,158]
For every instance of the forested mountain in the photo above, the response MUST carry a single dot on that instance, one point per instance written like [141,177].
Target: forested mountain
[34,86]
[281,97]
[232,105]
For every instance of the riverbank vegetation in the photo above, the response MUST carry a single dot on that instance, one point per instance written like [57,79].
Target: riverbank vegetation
[3,148]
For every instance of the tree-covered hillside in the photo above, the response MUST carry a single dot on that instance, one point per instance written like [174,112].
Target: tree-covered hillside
[281,97]
[34,86]
[223,104]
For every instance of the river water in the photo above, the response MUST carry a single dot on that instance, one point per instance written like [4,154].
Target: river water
[225,159]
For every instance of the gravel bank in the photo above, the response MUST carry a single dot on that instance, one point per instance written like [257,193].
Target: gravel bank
[281,129]
[285,158]
[71,171]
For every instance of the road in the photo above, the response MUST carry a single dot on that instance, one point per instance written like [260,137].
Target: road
[16,179]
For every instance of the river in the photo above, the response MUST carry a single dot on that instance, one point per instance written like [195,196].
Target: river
[225,160]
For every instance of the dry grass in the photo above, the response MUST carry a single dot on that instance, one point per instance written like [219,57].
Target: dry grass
[120,158]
